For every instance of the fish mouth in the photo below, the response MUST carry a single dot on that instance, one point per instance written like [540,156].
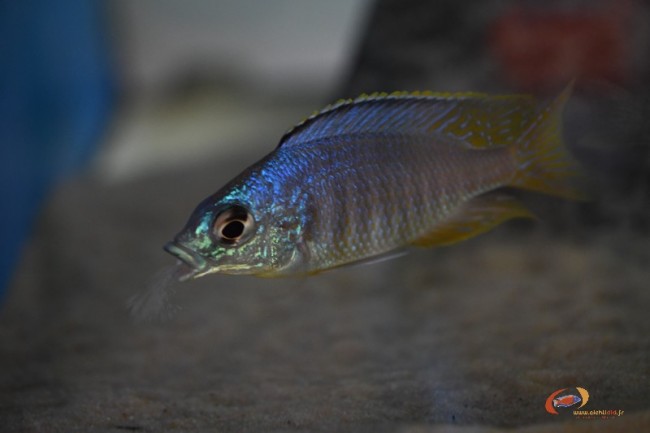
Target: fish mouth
[192,264]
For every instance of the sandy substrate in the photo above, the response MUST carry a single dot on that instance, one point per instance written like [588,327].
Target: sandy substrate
[471,338]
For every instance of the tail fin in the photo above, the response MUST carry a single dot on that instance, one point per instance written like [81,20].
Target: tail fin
[544,165]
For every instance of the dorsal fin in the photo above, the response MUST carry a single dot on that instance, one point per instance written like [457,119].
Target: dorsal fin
[478,119]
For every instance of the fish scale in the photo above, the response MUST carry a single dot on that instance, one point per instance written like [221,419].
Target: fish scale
[355,182]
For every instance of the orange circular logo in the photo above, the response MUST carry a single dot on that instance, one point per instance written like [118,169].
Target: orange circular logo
[566,397]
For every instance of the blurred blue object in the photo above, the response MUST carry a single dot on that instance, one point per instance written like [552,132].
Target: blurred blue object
[55,100]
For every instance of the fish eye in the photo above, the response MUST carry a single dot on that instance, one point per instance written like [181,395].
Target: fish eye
[233,225]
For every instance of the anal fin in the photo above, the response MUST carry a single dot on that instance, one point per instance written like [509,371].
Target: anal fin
[479,215]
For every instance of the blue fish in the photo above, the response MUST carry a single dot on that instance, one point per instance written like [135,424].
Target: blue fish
[365,177]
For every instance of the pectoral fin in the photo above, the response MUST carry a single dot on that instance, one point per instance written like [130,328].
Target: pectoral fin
[481,214]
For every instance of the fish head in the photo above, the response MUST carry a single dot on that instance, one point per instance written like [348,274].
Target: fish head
[241,230]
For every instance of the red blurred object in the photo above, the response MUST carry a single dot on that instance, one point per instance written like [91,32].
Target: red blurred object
[542,48]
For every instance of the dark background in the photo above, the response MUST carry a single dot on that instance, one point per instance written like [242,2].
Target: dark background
[472,337]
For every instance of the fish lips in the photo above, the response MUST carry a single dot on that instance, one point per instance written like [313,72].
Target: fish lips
[196,264]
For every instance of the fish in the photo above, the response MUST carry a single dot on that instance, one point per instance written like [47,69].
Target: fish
[367,177]
[566,401]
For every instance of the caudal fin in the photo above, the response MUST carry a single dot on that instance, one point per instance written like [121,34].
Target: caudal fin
[544,165]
